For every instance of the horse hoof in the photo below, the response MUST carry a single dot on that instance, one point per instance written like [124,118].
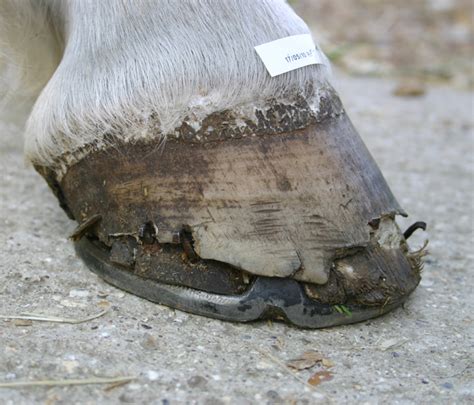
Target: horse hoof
[285,216]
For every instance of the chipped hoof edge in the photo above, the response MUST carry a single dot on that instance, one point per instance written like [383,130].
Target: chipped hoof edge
[266,298]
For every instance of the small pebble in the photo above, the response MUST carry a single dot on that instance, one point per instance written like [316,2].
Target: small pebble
[274,397]
[149,342]
[197,381]
[78,293]
[410,88]
[263,365]
[127,398]
[152,375]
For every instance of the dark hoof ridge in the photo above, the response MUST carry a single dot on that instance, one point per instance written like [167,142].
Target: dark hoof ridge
[266,298]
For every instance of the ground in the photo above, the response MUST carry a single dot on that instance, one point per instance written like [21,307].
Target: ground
[421,353]
[427,40]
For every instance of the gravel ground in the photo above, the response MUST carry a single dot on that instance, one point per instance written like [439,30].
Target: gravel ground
[421,353]
[426,40]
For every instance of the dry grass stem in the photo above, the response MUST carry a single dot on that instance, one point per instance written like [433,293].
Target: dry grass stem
[46,318]
[55,383]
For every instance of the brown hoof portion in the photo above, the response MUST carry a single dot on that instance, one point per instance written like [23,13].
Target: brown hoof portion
[216,214]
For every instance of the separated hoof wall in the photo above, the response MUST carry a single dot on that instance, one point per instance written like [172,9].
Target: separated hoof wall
[288,300]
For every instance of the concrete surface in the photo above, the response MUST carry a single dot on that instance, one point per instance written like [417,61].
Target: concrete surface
[422,353]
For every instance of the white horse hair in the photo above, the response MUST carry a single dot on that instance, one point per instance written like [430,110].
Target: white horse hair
[108,66]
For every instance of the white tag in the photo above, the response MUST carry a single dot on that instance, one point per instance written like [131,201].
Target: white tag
[290,53]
